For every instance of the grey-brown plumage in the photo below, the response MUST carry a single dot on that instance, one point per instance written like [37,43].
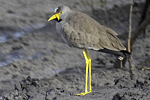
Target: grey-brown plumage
[80,30]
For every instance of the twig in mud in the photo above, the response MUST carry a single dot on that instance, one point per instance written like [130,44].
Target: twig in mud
[143,24]
[129,43]
[145,20]
[146,68]
[138,31]
[145,14]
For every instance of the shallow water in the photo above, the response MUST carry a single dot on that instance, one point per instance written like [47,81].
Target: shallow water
[12,56]
[10,36]
[15,55]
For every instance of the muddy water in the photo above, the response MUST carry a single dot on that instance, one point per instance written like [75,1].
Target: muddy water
[17,54]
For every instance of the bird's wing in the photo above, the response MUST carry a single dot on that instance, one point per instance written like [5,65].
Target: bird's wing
[87,33]
[115,43]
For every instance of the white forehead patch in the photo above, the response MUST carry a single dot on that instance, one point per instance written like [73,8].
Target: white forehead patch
[55,10]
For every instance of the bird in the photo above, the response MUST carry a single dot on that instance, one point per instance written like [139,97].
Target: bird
[79,30]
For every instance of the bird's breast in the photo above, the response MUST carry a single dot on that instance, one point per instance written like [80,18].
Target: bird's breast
[65,35]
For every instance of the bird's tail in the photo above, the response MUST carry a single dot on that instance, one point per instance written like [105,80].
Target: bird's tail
[125,53]
[121,53]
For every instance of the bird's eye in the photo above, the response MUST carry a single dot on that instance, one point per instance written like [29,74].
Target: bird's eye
[55,10]
[61,12]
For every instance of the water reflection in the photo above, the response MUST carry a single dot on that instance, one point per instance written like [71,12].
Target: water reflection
[16,54]
[6,36]
[12,56]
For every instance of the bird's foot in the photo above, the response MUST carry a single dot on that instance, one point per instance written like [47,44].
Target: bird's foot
[120,58]
[84,93]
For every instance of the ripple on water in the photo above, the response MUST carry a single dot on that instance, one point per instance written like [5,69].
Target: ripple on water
[15,55]
[5,59]
[7,35]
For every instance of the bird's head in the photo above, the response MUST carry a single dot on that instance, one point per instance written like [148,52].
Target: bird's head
[60,13]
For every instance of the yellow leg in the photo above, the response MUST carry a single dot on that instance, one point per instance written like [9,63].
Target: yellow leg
[89,59]
[88,72]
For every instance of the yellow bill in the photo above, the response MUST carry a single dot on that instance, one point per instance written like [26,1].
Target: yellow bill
[55,16]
